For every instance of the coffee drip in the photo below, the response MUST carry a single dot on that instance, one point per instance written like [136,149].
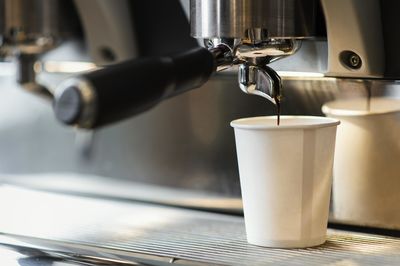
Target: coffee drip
[278,110]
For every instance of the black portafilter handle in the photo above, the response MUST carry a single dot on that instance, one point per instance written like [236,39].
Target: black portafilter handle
[116,92]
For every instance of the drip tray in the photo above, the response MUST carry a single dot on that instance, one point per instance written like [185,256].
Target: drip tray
[148,234]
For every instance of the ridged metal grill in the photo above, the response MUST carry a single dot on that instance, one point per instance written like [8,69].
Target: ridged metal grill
[223,242]
[185,236]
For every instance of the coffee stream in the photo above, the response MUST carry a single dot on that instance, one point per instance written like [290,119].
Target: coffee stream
[278,110]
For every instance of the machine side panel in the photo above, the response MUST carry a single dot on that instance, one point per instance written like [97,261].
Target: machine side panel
[354,28]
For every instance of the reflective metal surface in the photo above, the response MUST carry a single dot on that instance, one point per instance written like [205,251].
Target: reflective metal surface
[260,80]
[185,142]
[26,75]
[29,26]
[129,232]
[235,18]
[16,252]
[11,255]
[271,50]
[111,188]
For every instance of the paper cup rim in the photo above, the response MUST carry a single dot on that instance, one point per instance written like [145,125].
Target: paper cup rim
[313,122]
[330,109]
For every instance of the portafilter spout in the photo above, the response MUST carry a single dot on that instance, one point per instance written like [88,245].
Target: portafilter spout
[255,76]
[260,80]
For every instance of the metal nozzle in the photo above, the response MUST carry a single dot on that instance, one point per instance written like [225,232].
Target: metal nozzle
[26,76]
[260,80]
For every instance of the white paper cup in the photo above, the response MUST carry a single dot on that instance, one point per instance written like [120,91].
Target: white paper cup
[367,161]
[285,178]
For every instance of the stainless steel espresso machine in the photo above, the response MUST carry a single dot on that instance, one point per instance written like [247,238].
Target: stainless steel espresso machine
[137,96]
[247,37]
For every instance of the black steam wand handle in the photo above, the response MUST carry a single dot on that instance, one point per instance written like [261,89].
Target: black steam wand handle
[126,89]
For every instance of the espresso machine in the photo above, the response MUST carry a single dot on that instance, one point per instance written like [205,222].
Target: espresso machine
[136,96]
[246,38]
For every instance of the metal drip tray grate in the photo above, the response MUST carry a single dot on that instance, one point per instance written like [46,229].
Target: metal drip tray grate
[118,229]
